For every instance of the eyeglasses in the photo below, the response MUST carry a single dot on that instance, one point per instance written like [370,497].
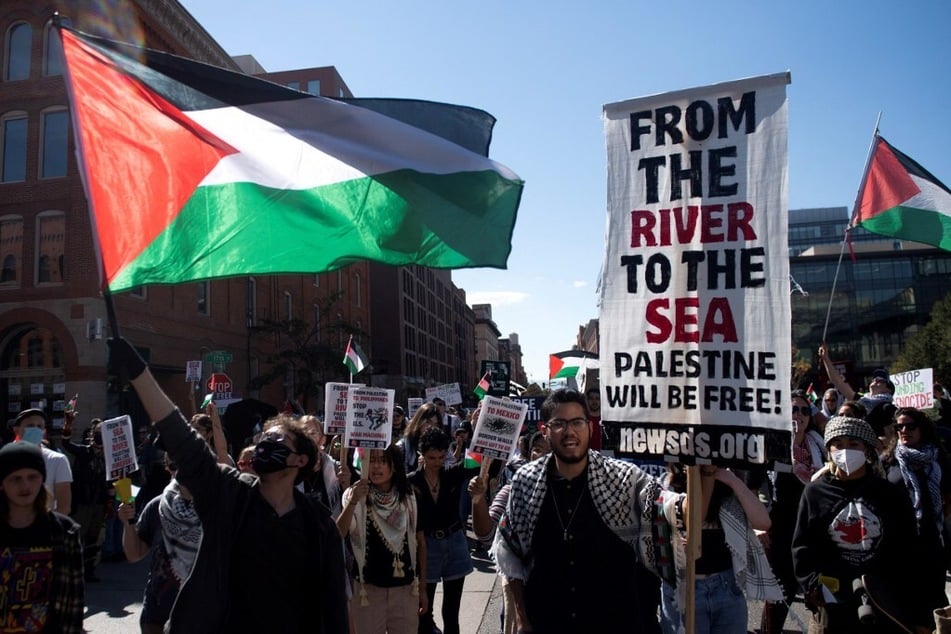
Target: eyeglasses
[805,410]
[559,424]
[906,426]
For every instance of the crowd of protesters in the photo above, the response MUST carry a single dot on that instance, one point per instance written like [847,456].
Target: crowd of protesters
[330,543]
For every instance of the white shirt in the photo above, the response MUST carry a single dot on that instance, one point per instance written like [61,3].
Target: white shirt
[57,470]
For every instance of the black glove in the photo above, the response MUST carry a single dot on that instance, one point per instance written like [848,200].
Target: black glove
[122,356]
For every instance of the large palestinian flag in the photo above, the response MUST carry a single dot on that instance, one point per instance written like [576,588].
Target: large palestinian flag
[193,172]
[901,199]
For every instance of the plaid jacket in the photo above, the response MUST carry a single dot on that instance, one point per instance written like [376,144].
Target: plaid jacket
[67,594]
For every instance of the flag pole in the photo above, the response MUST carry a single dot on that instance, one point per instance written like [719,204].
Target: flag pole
[855,209]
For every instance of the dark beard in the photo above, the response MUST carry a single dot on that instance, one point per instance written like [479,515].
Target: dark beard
[570,459]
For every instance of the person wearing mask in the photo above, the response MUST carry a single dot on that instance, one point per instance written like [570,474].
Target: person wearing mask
[270,558]
[31,425]
[852,523]
[41,570]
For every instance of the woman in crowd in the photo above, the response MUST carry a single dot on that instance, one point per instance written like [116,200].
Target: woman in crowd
[438,491]
[399,421]
[853,523]
[732,567]
[831,400]
[170,530]
[425,417]
[918,462]
[41,572]
[808,456]
[379,521]
[329,478]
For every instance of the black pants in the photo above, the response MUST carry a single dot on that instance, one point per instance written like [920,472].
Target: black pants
[451,600]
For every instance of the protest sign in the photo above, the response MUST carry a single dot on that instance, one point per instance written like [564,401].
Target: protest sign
[413,404]
[695,317]
[533,415]
[914,388]
[118,446]
[449,393]
[335,407]
[369,418]
[498,428]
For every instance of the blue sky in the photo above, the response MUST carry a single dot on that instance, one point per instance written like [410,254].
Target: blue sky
[544,70]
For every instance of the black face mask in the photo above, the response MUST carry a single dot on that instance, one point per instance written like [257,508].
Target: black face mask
[270,456]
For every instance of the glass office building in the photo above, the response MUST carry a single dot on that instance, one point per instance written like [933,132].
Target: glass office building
[881,298]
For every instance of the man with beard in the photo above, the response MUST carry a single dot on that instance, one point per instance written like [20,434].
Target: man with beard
[571,517]
[592,396]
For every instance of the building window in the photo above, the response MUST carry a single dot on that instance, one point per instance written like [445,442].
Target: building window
[317,280]
[55,134]
[288,306]
[53,49]
[19,39]
[140,292]
[339,280]
[204,303]
[50,247]
[313,86]
[11,250]
[13,168]
[357,295]
[294,84]
[252,305]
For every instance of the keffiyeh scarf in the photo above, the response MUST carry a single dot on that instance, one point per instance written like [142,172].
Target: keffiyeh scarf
[396,521]
[630,502]
[181,530]
[911,461]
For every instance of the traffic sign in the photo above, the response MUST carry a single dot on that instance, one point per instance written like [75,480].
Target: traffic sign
[219,357]
[220,385]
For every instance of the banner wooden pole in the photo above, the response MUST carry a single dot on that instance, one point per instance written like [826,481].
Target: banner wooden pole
[694,528]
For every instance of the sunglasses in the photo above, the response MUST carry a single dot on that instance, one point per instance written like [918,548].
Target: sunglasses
[805,410]
[906,426]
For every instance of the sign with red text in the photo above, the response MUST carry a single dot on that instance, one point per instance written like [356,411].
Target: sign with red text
[335,407]
[498,428]
[118,447]
[369,418]
[914,388]
[695,317]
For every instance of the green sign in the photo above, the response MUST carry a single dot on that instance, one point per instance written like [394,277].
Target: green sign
[219,357]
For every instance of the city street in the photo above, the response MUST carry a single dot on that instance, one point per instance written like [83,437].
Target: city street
[114,603]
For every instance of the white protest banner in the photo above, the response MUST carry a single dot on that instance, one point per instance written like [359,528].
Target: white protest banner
[413,404]
[914,388]
[335,407]
[499,425]
[448,392]
[369,418]
[695,317]
[193,371]
[118,446]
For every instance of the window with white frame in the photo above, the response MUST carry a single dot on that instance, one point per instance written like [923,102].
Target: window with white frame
[13,139]
[17,52]
[50,247]
[11,251]
[55,135]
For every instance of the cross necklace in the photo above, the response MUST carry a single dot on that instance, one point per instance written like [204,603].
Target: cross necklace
[566,527]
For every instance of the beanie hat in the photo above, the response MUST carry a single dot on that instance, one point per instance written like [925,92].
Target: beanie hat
[839,426]
[21,455]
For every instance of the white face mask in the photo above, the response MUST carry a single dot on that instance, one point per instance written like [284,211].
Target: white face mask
[848,460]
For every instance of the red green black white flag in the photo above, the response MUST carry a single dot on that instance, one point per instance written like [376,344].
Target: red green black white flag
[901,199]
[195,172]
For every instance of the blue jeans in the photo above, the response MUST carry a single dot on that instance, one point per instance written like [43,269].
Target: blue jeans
[720,606]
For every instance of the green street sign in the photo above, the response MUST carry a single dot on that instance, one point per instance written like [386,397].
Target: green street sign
[219,357]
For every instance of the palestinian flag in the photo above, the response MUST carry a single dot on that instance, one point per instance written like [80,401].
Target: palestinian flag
[901,199]
[483,387]
[569,364]
[813,397]
[354,358]
[194,172]
[472,460]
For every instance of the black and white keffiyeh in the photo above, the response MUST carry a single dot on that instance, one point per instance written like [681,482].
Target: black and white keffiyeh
[625,497]
[911,461]
[181,530]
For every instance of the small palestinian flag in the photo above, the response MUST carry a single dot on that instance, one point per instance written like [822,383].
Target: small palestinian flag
[901,199]
[811,394]
[354,358]
[483,387]
[472,459]
[194,172]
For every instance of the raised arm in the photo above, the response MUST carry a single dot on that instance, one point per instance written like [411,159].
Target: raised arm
[218,435]
[844,388]
[756,513]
